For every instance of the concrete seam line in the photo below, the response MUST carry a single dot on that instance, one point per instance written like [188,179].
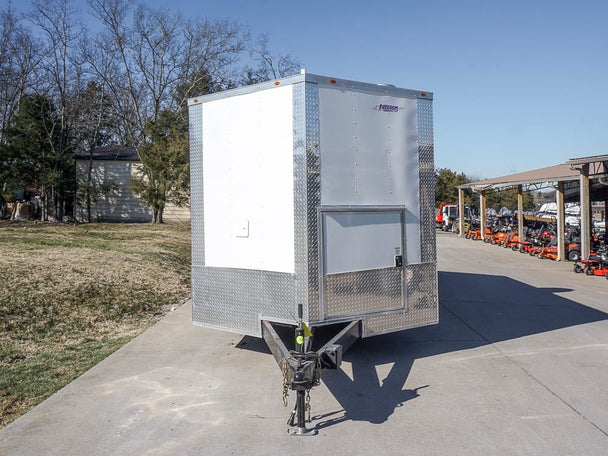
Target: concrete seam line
[514,362]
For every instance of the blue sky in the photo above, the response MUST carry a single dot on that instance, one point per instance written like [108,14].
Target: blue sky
[517,85]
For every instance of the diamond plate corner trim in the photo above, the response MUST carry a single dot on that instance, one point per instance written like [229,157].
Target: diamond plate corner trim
[313,197]
[423,303]
[427,180]
[226,298]
[234,299]
[300,199]
[362,292]
[196,184]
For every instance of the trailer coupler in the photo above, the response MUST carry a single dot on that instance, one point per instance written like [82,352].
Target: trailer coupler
[301,372]
[302,368]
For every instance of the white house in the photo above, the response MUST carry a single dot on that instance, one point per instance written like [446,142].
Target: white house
[112,172]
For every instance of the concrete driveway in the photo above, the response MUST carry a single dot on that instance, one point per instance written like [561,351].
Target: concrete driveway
[517,366]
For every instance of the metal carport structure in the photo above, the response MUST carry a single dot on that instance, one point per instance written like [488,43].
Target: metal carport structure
[582,179]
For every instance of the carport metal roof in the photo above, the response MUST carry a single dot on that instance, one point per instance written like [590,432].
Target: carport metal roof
[555,173]
[586,178]
[569,171]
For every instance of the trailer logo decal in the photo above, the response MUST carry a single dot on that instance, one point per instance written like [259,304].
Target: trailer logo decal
[387,108]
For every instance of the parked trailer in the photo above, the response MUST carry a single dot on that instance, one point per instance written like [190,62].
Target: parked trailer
[312,202]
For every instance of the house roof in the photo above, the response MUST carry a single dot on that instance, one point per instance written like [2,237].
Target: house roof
[110,153]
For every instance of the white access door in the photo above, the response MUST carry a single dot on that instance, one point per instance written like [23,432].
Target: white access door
[361,261]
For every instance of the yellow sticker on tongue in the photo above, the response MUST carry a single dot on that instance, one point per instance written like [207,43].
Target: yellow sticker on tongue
[307,332]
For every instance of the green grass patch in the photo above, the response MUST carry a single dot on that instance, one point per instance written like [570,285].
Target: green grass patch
[72,294]
[27,380]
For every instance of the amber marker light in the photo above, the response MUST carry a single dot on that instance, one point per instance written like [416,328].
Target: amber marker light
[332,81]
[196,100]
[422,94]
[276,83]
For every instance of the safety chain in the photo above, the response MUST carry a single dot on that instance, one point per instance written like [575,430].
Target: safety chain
[285,366]
[318,369]
[307,407]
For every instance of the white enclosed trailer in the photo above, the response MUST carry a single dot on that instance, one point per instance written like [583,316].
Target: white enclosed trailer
[314,194]
[315,191]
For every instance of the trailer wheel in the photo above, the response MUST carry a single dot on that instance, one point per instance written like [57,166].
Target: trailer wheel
[588,271]
[466,236]
[522,249]
[578,269]
[532,253]
[541,255]
[574,255]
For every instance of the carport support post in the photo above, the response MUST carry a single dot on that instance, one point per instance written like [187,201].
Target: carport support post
[520,213]
[561,218]
[585,219]
[482,214]
[461,232]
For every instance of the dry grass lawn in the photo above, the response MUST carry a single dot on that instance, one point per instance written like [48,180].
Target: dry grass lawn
[72,294]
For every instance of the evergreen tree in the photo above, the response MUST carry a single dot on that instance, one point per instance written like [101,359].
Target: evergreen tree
[165,168]
[446,187]
[30,153]
[508,198]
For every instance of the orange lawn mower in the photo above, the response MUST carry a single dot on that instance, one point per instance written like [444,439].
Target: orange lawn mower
[474,232]
[527,243]
[502,234]
[540,241]
[497,233]
[573,249]
[536,235]
[597,263]
[512,240]
[498,237]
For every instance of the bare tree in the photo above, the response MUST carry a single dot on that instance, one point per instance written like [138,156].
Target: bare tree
[109,88]
[212,50]
[18,64]
[151,53]
[268,65]
[62,81]
[94,127]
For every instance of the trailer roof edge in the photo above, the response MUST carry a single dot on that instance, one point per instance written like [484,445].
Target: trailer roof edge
[314,79]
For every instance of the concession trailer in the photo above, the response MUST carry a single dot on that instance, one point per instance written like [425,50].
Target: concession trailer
[312,211]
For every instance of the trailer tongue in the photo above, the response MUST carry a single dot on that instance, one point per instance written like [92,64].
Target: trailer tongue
[312,196]
[302,367]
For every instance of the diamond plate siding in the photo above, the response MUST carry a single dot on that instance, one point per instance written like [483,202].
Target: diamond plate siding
[427,181]
[196,184]
[235,298]
[423,309]
[351,293]
[313,193]
[300,199]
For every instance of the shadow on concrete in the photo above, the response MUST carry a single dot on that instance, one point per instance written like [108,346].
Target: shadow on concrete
[475,310]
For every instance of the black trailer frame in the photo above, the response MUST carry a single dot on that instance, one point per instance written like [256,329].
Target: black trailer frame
[302,367]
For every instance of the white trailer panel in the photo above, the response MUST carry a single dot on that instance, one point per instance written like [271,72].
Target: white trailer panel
[248,181]
[315,191]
